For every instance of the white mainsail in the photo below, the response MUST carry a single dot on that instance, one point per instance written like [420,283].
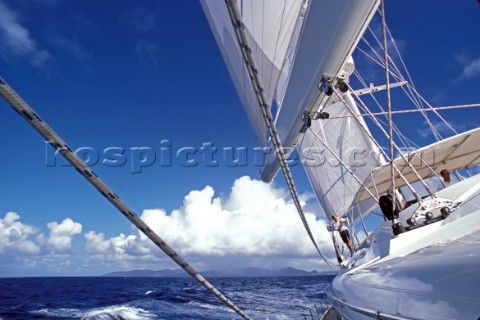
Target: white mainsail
[335,150]
[329,34]
[269,25]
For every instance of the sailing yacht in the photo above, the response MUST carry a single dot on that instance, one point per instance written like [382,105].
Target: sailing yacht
[293,63]
[293,66]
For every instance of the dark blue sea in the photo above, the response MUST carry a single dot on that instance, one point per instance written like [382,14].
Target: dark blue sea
[160,298]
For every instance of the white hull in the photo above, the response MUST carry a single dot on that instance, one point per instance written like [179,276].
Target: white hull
[432,272]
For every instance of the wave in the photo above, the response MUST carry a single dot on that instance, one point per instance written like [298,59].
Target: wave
[118,312]
[159,298]
[210,306]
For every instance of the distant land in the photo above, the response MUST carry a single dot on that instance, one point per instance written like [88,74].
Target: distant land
[244,272]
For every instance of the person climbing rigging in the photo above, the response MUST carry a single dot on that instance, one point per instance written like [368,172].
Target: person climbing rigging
[340,226]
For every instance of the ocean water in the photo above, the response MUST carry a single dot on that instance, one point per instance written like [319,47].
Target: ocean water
[272,298]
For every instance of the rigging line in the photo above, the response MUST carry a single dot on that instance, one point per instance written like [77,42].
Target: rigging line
[384,27]
[354,231]
[438,114]
[397,148]
[413,84]
[316,175]
[374,50]
[267,115]
[435,174]
[411,93]
[361,220]
[414,93]
[397,131]
[343,164]
[398,77]
[340,96]
[389,106]
[358,205]
[403,138]
[406,142]
[397,70]
[19,105]
[326,174]
[414,100]
[378,60]
[374,184]
[464,106]
[397,74]
[305,136]
[368,54]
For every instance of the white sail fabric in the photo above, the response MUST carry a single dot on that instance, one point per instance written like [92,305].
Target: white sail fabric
[333,184]
[319,49]
[269,25]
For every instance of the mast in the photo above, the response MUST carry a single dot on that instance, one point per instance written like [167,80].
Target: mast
[389,106]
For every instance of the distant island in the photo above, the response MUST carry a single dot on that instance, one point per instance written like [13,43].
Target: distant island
[244,272]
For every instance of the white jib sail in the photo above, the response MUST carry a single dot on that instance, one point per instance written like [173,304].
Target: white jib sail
[269,27]
[334,186]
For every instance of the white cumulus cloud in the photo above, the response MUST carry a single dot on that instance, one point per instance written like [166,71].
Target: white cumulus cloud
[25,249]
[97,244]
[16,236]
[255,222]
[62,234]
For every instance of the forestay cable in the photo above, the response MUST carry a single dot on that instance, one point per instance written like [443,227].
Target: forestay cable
[239,28]
[19,105]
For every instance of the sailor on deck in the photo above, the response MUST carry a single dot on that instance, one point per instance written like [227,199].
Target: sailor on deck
[340,226]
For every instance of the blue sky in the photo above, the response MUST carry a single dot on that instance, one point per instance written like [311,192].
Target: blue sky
[131,74]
